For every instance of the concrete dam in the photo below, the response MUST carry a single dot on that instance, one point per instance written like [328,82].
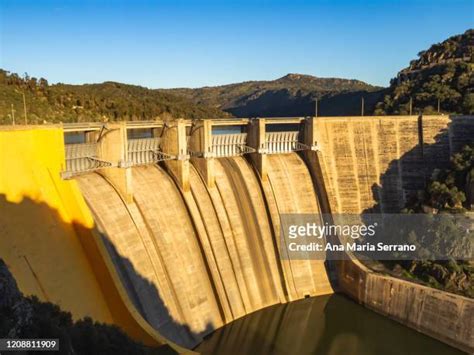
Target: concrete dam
[171,230]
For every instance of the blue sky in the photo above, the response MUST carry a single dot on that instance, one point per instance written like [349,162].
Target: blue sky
[197,43]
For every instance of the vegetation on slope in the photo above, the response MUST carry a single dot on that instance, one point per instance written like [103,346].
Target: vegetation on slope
[443,74]
[29,318]
[90,102]
[448,191]
[291,95]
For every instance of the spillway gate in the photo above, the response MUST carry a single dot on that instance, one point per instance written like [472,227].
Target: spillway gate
[228,145]
[82,158]
[143,151]
[283,142]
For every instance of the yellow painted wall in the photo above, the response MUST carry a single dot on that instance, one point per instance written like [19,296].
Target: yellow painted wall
[38,241]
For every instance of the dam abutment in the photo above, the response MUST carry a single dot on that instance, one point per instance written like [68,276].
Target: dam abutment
[376,164]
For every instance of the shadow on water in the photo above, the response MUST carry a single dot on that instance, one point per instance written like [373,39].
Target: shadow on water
[329,325]
[31,222]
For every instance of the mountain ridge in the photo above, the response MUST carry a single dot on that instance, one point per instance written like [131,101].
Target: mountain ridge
[291,94]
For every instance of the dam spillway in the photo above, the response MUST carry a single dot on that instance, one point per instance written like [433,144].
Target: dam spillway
[231,269]
[173,251]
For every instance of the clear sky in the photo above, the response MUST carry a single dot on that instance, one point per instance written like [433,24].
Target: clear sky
[197,43]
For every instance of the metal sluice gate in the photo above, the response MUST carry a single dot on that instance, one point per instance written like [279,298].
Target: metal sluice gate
[85,157]
[146,151]
[82,158]
[228,145]
[283,142]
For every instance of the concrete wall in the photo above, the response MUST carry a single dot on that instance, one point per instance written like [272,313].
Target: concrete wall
[379,162]
[444,316]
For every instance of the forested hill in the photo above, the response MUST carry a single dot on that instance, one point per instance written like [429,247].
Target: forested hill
[90,102]
[291,95]
[444,73]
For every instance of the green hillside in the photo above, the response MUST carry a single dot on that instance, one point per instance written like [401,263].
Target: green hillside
[90,102]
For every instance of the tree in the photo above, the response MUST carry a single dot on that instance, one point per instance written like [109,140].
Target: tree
[468,104]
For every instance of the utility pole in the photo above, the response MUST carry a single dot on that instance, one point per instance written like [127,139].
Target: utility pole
[439,105]
[13,114]
[24,107]
[411,105]
[316,108]
[362,107]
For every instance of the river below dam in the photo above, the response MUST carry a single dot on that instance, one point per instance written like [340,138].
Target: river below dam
[329,325]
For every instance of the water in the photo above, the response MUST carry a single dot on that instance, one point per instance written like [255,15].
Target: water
[138,133]
[74,137]
[329,325]
[228,129]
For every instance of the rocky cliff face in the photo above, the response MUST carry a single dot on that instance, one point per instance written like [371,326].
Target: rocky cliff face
[441,79]
[454,49]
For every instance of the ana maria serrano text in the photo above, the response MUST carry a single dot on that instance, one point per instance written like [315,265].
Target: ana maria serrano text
[355,231]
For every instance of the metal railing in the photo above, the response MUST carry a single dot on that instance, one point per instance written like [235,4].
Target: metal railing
[283,142]
[227,145]
[82,158]
[146,151]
